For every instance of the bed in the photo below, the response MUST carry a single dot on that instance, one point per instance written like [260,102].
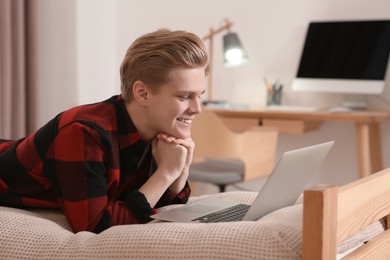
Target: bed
[337,222]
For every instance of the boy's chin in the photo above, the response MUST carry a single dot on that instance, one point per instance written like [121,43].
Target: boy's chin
[177,134]
[181,135]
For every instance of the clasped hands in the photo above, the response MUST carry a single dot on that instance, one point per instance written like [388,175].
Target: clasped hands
[174,156]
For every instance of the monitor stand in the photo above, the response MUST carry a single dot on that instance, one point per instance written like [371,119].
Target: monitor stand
[355,101]
[352,102]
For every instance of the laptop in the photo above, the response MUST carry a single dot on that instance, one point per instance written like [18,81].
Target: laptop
[282,188]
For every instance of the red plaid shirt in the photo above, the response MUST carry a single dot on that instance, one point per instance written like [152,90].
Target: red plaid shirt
[89,161]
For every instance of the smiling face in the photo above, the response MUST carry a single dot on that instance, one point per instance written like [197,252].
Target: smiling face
[171,108]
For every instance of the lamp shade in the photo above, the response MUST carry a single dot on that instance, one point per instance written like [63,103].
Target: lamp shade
[233,51]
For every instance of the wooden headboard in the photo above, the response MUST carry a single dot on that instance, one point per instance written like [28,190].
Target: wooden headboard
[333,213]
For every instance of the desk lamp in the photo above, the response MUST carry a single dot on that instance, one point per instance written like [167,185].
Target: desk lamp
[233,51]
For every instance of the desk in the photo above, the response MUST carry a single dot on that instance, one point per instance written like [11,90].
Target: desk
[367,123]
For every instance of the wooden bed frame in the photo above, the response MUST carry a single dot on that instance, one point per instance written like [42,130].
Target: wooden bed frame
[332,214]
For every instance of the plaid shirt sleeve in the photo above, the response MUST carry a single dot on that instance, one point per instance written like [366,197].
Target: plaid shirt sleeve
[171,198]
[75,165]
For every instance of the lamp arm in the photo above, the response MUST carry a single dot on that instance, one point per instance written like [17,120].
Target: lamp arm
[227,26]
[210,37]
[211,60]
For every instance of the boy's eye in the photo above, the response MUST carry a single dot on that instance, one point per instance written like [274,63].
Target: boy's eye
[184,97]
[190,96]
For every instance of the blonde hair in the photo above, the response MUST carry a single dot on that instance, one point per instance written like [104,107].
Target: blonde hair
[152,57]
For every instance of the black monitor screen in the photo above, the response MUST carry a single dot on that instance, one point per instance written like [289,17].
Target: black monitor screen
[346,50]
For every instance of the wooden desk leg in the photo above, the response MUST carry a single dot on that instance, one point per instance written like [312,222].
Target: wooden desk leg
[369,150]
[376,147]
[363,149]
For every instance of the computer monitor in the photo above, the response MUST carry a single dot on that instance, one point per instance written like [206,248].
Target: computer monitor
[344,57]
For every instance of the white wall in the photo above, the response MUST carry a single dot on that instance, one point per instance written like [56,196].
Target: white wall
[93,36]
[97,70]
[76,54]
[56,79]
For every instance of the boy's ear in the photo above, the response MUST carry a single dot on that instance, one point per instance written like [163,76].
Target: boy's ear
[140,92]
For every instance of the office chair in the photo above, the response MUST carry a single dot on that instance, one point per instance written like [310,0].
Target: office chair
[223,157]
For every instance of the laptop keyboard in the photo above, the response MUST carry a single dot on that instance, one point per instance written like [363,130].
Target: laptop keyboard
[234,213]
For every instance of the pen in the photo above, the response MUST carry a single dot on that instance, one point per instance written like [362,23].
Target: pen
[268,85]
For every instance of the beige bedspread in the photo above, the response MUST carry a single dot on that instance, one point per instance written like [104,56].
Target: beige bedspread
[45,234]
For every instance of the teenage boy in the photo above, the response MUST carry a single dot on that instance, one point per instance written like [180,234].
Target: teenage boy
[114,162]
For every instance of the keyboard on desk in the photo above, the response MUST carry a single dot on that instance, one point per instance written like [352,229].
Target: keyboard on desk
[293,108]
[234,213]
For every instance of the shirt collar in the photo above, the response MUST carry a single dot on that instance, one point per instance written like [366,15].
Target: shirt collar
[127,132]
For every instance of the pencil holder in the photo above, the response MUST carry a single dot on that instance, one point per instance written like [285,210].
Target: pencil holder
[274,97]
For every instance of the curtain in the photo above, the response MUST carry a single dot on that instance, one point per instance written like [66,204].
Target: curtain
[16,57]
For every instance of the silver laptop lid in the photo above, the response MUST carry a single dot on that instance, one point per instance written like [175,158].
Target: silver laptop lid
[290,176]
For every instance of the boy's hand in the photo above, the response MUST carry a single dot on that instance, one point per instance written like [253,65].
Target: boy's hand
[187,143]
[173,157]
[169,156]
[179,184]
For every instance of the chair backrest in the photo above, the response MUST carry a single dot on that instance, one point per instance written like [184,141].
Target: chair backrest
[256,147]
